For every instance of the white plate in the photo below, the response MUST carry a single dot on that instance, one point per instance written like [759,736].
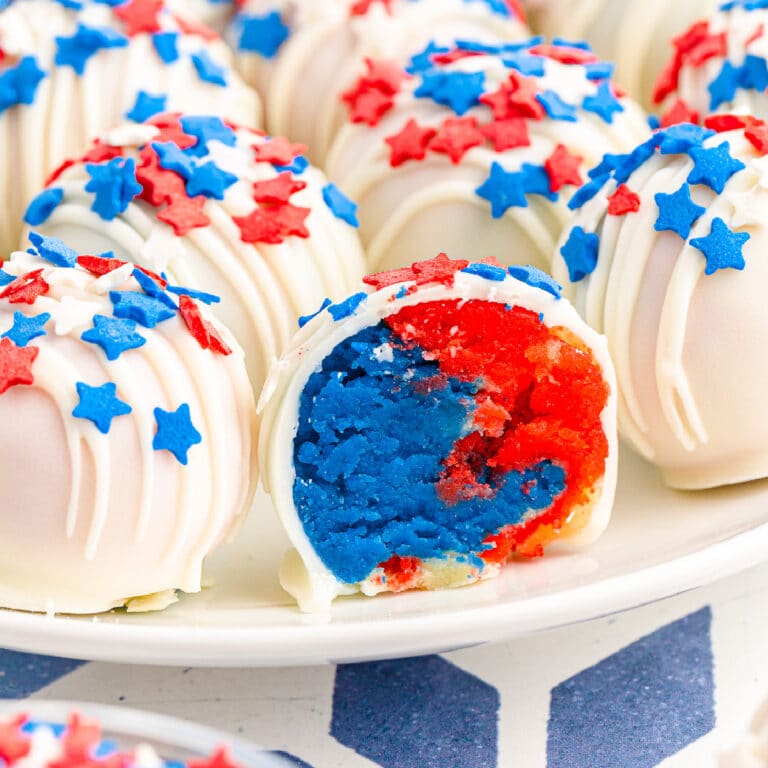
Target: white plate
[659,543]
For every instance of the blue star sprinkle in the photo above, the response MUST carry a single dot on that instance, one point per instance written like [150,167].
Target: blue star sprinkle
[25,328]
[297,167]
[113,335]
[504,190]
[713,166]
[175,432]
[681,138]
[536,181]
[207,69]
[5,278]
[753,74]
[422,61]
[603,103]
[263,34]
[585,193]
[75,51]
[206,298]
[206,129]
[677,212]
[555,107]
[41,208]
[580,253]
[537,279]
[599,70]
[210,180]
[18,85]
[145,310]
[151,288]
[347,307]
[114,186]
[721,247]
[486,271]
[341,206]
[53,250]
[146,106]
[458,90]
[166,45]
[723,87]
[525,64]
[304,319]
[99,405]
[174,159]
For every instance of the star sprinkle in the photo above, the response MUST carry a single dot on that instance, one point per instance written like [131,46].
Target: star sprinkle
[175,432]
[556,107]
[42,206]
[278,151]
[410,143]
[24,328]
[158,185]
[677,212]
[278,190]
[580,253]
[757,135]
[210,181]
[504,190]
[713,166]
[26,289]
[264,35]
[367,104]
[562,167]
[54,250]
[99,405]
[185,214]
[536,181]
[18,84]
[140,16]
[16,365]
[681,138]
[206,129]
[13,744]
[145,310]
[721,247]
[348,307]
[441,270]
[623,201]
[509,133]
[679,112]
[340,205]
[723,88]
[290,219]
[113,335]
[172,158]
[114,185]
[603,103]
[146,106]
[201,329]
[207,69]
[259,227]
[75,51]
[219,759]
[458,90]
[304,319]
[456,136]
[167,46]
[537,279]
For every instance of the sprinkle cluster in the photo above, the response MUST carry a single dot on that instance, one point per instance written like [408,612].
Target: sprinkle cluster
[140,299]
[713,166]
[177,172]
[483,115]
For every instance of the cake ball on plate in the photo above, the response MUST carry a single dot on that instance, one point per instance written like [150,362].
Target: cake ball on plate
[213,205]
[666,257]
[426,429]
[720,64]
[635,34]
[127,445]
[303,55]
[69,71]
[478,146]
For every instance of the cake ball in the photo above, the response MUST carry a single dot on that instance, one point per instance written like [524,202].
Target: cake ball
[71,70]
[425,430]
[635,34]
[127,444]
[666,257]
[478,146]
[303,55]
[719,65]
[213,205]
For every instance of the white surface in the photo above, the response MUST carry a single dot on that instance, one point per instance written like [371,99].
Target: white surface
[659,543]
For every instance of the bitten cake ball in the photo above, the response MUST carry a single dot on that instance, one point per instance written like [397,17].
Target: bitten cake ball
[635,34]
[71,70]
[667,258]
[719,65]
[478,146]
[226,209]
[303,55]
[419,434]
[127,440]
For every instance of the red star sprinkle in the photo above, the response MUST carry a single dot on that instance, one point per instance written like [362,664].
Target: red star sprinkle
[16,365]
[756,35]
[259,227]
[679,112]
[623,201]
[669,79]
[441,269]
[98,265]
[277,190]
[367,104]
[185,213]
[384,75]
[81,736]
[457,135]
[139,16]
[722,123]
[562,167]
[507,134]
[220,759]
[159,184]
[361,7]
[410,144]
[58,171]
[564,54]
[203,331]
[171,130]
[705,49]
[13,743]
[455,55]
[757,135]
[290,219]
[278,151]
[26,289]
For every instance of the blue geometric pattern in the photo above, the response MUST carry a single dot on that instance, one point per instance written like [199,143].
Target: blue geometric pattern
[416,713]
[641,705]
[22,674]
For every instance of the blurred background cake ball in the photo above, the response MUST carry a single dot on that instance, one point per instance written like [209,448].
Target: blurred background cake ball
[127,437]
[70,71]
[636,34]
[229,209]
[303,55]
[212,13]
[477,147]
[719,65]
[666,257]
